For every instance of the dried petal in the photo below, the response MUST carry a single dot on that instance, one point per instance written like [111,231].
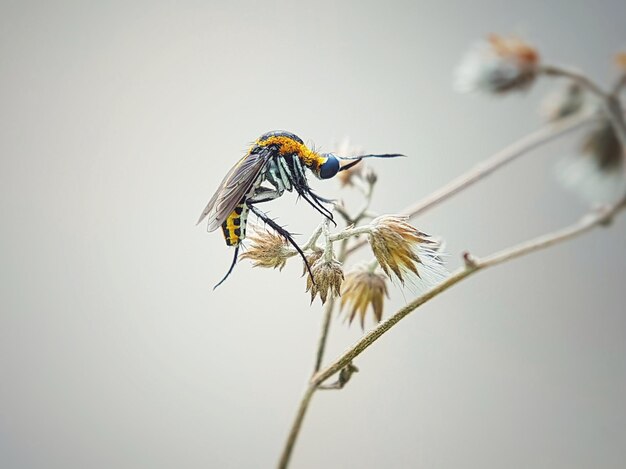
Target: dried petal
[363,288]
[404,252]
[311,258]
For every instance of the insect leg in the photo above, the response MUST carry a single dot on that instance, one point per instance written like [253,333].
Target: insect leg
[232,266]
[317,205]
[282,232]
[285,174]
[305,192]
[264,194]
[302,187]
[274,176]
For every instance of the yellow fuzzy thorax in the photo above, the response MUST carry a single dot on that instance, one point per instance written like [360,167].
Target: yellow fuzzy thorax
[288,146]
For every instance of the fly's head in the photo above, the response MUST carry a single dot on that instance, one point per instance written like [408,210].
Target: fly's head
[328,167]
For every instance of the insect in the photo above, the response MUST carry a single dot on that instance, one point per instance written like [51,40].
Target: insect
[280,159]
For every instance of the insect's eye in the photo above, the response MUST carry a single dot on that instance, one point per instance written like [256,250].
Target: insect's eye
[329,167]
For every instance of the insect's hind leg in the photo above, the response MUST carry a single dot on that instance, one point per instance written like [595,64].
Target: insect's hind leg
[230,270]
[282,232]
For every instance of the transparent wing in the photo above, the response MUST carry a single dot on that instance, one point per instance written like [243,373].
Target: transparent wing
[232,189]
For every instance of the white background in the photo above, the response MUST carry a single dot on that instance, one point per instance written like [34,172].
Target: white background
[117,122]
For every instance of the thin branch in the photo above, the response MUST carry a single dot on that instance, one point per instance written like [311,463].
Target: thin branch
[505,156]
[472,265]
[321,344]
[343,236]
[610,101]
[498,160]
[343,365]
[295,427]
[349,232]
[581,79]
[310,244]
[592,220]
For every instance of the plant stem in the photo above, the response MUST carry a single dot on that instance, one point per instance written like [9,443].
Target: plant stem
[582,80]
[328,313]
[508,154]
[612,107]
[295,427]
[472,265]
[587,223]
[321,344]
[498,160]
[610,101]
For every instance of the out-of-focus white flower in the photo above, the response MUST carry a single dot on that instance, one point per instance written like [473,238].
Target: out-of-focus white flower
[497,65]
[598,172]
[563,102]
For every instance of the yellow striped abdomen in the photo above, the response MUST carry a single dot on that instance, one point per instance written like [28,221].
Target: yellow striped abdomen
[234,227]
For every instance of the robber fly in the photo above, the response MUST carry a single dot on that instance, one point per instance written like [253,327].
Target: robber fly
[280,158]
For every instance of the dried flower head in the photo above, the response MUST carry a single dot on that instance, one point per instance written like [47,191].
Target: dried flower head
[267,250]
[328,276]
[597,173]
[404,251]
[311,258]
[361,289]
[564,102]
[497,65]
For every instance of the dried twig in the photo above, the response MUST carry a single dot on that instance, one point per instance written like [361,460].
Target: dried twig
[507,155]
[343,365]
[592,220]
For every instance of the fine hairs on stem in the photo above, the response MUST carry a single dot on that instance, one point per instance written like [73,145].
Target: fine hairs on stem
[521,64]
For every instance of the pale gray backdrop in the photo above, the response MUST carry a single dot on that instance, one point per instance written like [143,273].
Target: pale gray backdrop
[117,122]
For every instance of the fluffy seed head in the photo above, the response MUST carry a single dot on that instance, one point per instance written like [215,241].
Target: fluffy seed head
[405,252]
[267,250]
[497,65]
[363,288]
